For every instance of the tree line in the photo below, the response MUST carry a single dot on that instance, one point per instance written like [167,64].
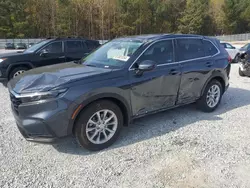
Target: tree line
[107,19]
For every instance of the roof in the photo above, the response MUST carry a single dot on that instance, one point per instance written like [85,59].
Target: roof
[151,37]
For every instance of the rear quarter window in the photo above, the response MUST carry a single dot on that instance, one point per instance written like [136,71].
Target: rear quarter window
[210,49]
[92,45]
[189,49]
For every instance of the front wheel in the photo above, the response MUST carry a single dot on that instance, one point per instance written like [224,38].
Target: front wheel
[17,71]
[99,125]
[211,97]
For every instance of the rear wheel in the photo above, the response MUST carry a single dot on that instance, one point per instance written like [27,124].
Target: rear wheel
[211,97]
[99,125]
[17,71]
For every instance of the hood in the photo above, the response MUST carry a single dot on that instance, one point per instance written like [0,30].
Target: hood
[48,77]
[13,54]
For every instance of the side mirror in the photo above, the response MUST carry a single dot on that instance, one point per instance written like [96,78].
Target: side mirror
[147,65]
[44,53]
[234,47]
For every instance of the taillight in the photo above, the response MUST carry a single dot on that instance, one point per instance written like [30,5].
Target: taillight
[229,59]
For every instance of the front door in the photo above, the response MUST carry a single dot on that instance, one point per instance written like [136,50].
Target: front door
[51,54]
[156,89]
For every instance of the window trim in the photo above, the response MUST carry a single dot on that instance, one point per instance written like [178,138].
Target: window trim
[50,44]
[161,40]
[66,46]
[174,46]
[218,52]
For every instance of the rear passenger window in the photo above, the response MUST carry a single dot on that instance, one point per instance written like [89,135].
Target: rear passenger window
[91,45]
[190,49]
[160,52]
[210,49]
[74,46]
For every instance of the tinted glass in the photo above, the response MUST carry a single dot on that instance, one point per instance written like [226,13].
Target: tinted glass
[246,47]
[160,52]
[229,46]
[55,47]
[37,46]
[74,46]
[91,45]
[190,49]
[210,49]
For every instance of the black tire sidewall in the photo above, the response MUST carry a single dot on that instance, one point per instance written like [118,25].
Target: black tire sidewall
[202,103]
[16,70]
[81,123]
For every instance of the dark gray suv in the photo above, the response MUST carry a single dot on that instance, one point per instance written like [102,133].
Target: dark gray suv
[126,78]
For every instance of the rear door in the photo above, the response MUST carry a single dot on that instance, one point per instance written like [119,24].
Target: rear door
[54,54]
[194,56]
[75,50]
[156,89]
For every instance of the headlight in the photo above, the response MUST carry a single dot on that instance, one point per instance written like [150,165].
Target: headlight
[2,59]
[39,96]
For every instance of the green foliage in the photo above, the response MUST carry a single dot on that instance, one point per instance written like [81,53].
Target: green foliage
[106,19]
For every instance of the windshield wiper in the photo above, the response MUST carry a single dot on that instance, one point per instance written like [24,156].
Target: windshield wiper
[90,65]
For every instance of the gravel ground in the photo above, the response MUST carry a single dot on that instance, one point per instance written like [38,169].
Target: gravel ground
[178,148]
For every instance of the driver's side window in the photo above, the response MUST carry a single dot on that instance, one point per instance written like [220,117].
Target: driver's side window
[55,47]
[161,52]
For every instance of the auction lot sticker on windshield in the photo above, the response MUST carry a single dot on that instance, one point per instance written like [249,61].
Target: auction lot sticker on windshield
[121,58]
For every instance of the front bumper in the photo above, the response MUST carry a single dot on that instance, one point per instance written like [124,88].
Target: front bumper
[43,122]
[34,129]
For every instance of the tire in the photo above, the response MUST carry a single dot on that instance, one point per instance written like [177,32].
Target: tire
[204,104]
[84,121]
[15,71]
[241,73]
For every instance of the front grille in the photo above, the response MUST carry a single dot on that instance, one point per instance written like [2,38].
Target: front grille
[15,102]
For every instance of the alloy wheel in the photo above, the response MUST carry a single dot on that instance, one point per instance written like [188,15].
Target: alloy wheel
[101,127]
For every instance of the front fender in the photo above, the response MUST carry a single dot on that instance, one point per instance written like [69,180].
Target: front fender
[19,64]
[84,100]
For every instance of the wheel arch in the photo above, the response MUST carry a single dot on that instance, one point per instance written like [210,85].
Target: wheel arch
[115,98]
[218,77]
[21,64]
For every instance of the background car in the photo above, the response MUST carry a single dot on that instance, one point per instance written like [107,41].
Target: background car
[9,46]
[30,44]
[232,51]
[20,46]
[245,48]
[46,52]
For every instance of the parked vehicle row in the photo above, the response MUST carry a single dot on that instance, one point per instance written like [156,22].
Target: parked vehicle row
[234,52]
[124,79]
[46,52]
[18,46]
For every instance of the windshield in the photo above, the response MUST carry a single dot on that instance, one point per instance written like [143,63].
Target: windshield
[113,54]
[36,46]
[245,47]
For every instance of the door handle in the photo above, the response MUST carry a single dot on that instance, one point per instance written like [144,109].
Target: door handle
[209,64]
[61,57]
[173,72]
